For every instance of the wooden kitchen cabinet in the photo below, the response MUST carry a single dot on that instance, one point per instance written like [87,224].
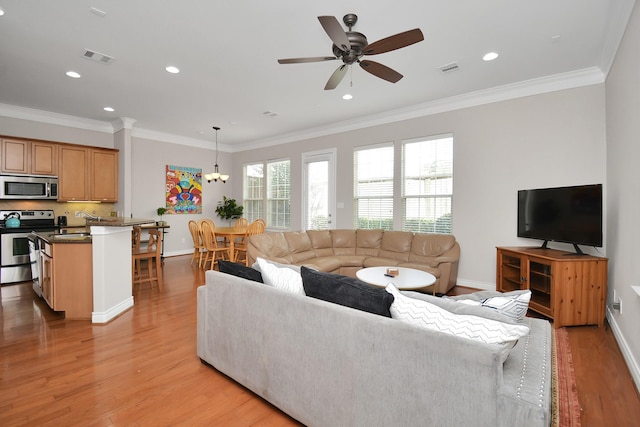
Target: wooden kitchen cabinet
[568,288]
[104,175]
[67,278]
[88,174]
[74,170]
[22,156]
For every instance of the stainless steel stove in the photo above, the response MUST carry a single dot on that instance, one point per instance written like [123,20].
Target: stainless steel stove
[15,265]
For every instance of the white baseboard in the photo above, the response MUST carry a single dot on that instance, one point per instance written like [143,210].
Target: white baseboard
[179,252]
[632,363]
[484,286]
[116,310]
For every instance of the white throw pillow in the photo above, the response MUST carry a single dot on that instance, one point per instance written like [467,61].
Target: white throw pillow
[282,278]
[513,306]
[429,316]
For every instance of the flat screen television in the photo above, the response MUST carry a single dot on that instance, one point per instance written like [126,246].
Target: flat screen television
[562,214]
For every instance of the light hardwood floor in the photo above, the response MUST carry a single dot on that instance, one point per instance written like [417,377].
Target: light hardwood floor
[142,369]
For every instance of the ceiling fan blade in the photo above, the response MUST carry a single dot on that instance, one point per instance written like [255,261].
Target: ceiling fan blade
[394,42]
[335,32]
[336,77]
[381,71]
[302,60]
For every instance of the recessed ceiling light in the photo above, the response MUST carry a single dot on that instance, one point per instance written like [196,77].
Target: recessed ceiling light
[109,109]
[347,96]
[73,74]
[1,12]
[173,70]
[490,56]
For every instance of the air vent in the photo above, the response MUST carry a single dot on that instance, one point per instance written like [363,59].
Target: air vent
[97,56]
[270,114]
[449,67]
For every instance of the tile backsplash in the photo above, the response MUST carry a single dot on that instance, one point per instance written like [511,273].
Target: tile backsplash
[67,209]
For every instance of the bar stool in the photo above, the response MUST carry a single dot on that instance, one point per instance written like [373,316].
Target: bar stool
[151,253]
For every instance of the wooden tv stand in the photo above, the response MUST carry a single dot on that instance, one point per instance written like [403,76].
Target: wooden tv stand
[568,288]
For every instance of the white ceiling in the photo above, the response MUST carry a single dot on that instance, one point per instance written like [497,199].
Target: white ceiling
[227,52]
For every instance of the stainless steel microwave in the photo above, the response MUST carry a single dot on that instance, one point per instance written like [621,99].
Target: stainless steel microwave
[16,187]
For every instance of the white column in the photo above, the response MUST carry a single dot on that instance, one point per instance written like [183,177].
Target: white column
[112,291]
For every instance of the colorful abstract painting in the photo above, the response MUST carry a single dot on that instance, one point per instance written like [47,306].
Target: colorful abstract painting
[184,190]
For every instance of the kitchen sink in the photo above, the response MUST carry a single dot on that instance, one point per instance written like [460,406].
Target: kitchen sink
[71,236]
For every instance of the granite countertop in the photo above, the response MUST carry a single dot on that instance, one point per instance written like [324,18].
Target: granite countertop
[80,235]
[83,234]
[118,222]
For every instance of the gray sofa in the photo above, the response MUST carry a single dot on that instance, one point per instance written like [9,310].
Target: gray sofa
[328,365]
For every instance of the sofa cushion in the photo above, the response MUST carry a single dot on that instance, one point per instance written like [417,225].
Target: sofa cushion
[282,278]
[368,241]
[321,242]
[396,245]
[329,263]
[431,244]
[293,267]
[239,270]
[456,307]
[429,316]
[512,304]
[343,242]
[346,291]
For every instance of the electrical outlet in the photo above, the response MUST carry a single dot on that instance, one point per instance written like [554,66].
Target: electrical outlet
[620,306]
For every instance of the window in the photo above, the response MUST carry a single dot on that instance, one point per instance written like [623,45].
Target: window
[253,191]
[427,184]
[275,207]
[373,192]
[279,194]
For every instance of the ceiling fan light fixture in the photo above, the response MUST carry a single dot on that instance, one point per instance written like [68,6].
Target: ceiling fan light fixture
[216,175]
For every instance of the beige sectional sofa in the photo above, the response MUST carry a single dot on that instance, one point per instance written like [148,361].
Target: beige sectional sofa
[347,251]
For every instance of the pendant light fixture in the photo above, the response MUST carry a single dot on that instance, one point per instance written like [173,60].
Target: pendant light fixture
[216,175]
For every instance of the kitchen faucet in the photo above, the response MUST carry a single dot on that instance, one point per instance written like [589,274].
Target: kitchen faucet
[88,215]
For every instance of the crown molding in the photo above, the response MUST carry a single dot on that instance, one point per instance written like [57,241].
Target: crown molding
[177,139]
[49,117]
[569,80]
[122,123]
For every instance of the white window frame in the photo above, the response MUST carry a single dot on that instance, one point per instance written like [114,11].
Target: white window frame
[385,201]
[434,195]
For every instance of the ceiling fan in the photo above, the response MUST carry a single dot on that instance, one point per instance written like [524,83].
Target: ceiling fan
[351,46]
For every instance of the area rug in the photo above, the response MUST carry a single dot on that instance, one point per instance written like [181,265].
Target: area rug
[565,404]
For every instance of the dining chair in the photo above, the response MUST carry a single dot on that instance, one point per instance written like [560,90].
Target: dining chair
[214,252]
[198,245]
[151,252]
[240,250]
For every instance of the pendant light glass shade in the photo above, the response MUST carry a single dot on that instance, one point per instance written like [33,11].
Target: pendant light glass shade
[216,175]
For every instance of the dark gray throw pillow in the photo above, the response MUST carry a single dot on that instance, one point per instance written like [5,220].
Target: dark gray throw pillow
[346,291]
[239,270]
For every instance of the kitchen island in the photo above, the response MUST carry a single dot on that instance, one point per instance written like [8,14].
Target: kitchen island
[91,275]
[112,273]
[65,272]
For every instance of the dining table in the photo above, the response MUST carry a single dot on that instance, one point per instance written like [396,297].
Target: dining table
[231,234]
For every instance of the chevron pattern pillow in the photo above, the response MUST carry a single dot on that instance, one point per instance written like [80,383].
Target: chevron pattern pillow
[512,304]
[428,316]
[283,278]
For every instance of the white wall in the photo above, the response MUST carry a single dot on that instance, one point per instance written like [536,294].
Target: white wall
[623,201]
[548,140]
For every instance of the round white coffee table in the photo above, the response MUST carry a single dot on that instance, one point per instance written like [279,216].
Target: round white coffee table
[407,278]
